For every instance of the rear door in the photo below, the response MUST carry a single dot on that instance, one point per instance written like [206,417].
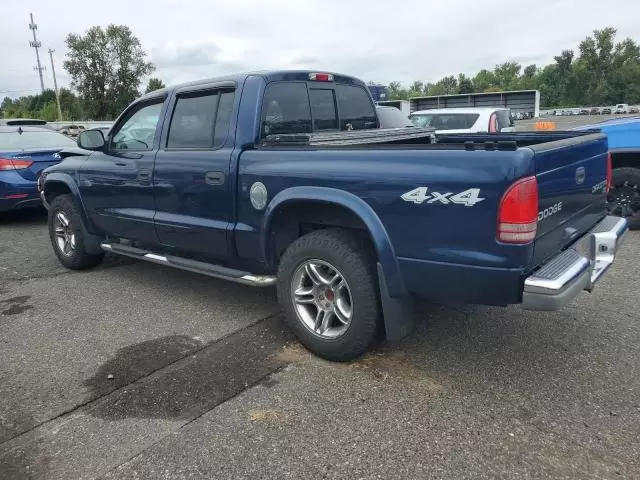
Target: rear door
[571,176]
[191,180]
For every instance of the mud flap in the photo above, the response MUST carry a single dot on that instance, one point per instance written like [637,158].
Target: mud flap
[397,312]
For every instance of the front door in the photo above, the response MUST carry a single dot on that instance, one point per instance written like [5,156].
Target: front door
[116,184]
[193,193]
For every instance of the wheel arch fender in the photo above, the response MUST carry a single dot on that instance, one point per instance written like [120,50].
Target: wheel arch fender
[397,305]
[625,157]
[60,178]
[380,237]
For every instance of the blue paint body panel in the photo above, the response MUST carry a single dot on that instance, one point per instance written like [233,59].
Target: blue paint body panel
[438,249]
[18,187]
[622,133]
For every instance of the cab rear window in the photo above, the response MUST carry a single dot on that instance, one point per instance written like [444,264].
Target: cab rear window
[355,107]
[294,107]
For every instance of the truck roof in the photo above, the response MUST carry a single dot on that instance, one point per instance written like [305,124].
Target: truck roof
[268,75]
[458,110]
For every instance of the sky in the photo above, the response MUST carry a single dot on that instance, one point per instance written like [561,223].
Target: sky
[375,40]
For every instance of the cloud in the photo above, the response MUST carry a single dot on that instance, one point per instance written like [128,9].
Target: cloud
[185,54]
[406,40]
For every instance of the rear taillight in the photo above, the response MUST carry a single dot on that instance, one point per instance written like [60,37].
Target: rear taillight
[8,164]
[493,123]
[609,173]
[518,212]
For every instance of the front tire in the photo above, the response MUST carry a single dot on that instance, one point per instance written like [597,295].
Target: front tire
[68,235]
[624,198]
[328,288]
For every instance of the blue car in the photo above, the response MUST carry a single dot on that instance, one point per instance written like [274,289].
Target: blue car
[24,152]
[623,136]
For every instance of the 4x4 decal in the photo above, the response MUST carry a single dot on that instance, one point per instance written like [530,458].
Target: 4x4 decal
[468,198]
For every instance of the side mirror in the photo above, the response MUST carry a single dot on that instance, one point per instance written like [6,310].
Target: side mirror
[91,140]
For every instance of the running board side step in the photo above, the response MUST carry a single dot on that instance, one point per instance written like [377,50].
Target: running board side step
[195,266]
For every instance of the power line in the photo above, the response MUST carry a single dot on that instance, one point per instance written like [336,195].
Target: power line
[36,45]
[20,91]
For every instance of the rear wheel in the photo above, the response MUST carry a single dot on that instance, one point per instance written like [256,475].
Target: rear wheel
[327,286]
[68,236]
[623,199]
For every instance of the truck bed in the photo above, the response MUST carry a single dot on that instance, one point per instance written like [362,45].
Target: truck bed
[355,137]
[421,138]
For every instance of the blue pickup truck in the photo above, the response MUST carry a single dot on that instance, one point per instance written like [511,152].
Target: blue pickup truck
[284,178]
[623,135]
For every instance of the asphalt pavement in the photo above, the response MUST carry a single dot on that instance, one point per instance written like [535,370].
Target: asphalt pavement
[132,370]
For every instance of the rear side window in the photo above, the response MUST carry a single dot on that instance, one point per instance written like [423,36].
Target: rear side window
[323,109]
[445,121]
[285,109]
[223,118]
[355,107]
[504,119]
[200,120]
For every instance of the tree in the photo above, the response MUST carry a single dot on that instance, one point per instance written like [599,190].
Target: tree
[396,92]
[445,86]
[465,85]
[154,84]
[44,106]
[601,72]
[484,80]
[5,106]
[506,75]
[49,112]
[529,80]
[106,67]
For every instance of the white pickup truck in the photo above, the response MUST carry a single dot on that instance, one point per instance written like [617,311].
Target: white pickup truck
[465,120]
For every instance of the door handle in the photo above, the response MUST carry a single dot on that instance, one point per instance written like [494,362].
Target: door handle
[214,178]
[121,164]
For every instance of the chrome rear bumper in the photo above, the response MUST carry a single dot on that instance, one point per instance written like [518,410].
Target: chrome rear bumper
[575,269]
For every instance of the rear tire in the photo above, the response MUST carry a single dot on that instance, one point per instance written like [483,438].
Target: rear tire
[67,235]
[624,198]
[351,301]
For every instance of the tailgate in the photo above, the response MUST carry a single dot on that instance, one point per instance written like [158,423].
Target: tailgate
[571,176]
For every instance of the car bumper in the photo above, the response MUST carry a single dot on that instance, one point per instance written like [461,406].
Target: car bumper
[576,269]
[16,192]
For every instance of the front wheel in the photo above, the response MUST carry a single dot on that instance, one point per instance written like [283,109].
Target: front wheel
[624,198]
[327,286]
[68,235]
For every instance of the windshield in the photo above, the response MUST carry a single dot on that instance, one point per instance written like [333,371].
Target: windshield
[445,121]
[34,140]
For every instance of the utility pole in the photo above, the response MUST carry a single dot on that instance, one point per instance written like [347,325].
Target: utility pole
[36,44]
[55,84]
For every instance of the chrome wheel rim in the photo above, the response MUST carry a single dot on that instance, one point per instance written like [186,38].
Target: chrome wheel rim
[65,238]
[322,298]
